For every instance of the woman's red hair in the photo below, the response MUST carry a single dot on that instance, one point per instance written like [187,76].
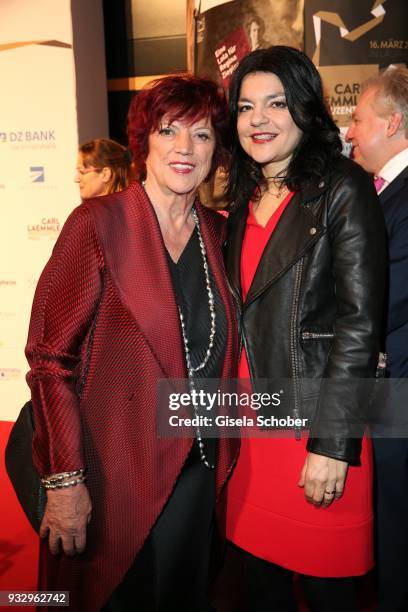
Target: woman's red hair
[180,98]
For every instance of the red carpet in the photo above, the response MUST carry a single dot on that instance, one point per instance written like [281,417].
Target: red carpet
[18,541]
[19,550]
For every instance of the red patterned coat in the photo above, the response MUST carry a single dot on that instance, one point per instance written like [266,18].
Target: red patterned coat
[104,328]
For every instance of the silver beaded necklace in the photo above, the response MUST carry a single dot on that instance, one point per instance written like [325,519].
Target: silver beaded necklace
[190,369]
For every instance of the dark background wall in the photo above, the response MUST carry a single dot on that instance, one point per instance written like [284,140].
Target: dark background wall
[143,38]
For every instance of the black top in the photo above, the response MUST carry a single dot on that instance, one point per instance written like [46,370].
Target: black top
[192,297]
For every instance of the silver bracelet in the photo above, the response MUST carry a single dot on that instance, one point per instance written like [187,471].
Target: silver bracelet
[54,479]
[63,485]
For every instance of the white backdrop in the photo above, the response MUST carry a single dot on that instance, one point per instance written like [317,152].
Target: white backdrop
[38,147]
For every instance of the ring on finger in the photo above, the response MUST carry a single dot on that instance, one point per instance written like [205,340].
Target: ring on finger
[330,492]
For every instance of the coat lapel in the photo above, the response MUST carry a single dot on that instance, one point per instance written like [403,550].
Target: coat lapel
[297,231]
[210,231]
[136,259]
[135,255]
[394,186]
[235,236]
[213,245]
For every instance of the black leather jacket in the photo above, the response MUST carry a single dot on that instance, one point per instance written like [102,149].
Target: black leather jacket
[314,309]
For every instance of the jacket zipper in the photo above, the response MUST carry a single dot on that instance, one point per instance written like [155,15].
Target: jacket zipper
[316,335]
[293,341]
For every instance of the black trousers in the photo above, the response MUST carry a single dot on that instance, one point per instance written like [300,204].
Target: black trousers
[391,504]
[270,589]
[171,572]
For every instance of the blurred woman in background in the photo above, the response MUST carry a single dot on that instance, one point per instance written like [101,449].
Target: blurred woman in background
[103,166]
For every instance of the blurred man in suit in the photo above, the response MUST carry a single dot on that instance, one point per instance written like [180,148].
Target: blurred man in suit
[379,135]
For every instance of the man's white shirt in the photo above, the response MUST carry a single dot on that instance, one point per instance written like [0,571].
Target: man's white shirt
[393,168]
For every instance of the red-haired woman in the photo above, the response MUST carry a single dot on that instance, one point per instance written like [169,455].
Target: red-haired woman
[104,166]
[134,292]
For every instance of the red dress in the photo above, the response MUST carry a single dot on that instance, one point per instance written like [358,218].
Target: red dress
[267,513]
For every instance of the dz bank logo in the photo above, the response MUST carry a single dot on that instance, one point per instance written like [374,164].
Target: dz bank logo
[37,174]
[28,136]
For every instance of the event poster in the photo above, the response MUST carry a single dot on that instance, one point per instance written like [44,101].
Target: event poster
[351,41]
[348,41]
[227,32]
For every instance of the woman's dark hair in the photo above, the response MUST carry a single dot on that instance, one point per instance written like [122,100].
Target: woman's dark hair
[180,98]
[104,153]
[320,141]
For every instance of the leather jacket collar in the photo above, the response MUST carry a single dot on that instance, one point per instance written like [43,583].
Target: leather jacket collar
[280,254]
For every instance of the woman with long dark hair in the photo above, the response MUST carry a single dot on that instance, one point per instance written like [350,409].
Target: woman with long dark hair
[306,263]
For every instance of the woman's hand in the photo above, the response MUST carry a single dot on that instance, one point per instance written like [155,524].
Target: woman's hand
[67,513]
[323,479]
